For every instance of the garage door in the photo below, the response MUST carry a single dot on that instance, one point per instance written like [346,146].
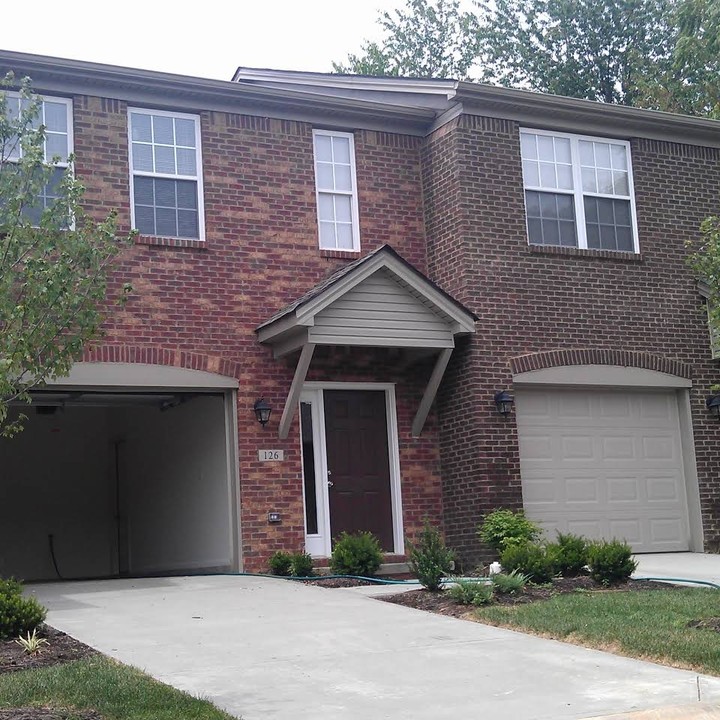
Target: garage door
[604,464]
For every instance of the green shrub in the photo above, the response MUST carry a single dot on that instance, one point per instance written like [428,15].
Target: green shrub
[302,564]
[502,528]
[471,592]
[280,563]
[529,559]
[571,554]
[510,583]
[430,560]
[18,614]
[357,554]
[610,561]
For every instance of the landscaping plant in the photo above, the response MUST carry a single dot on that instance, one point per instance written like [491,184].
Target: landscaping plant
[430,560]
[18,614]
[31,643]
[610,561]
[502,528]
[570,553]
[471,592]
[356,554]
[510,583]
[302,564]
[280,563]
[531,559]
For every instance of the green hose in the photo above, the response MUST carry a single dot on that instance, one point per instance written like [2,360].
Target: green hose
[680,580]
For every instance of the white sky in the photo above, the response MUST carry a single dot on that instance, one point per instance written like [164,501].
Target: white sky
[205,38]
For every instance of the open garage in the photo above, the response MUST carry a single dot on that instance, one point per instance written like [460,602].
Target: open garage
[127,479]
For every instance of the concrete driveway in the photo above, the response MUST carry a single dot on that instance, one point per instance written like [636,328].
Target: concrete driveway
[268,649]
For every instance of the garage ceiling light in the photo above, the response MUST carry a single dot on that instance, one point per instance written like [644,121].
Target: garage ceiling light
[262,411]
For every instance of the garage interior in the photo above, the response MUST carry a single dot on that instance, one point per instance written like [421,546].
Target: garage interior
[106,484]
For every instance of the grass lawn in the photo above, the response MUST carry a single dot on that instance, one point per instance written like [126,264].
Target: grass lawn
[651,625]
[116,691]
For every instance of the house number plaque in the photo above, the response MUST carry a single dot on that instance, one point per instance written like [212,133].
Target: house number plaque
[270,455]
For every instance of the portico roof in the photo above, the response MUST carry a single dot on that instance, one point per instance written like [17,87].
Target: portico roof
[380,300]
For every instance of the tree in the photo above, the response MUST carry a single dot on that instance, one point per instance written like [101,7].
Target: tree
[595,49]
[54,258]
[704,261]
[427,38]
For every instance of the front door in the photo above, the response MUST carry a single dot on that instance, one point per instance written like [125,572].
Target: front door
[348,461]
[358,464]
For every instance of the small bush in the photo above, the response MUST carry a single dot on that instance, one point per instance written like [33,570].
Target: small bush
[358,554]
[510,583]
[18,614]
[280,563]
[302,565]
[430,560]
[529,559]
[502,528]
[610,561]
[571,554]
[471,592]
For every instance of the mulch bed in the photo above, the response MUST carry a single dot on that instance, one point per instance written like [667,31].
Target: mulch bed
[441,603]
[61,648]
[336,582]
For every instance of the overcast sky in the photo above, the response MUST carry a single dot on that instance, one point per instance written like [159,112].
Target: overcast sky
[206,38]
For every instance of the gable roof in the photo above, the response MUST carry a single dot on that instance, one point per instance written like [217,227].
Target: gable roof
[319,297]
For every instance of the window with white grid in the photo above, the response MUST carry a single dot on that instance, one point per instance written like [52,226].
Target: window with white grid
[578,191]
[336,189]
[55,114]
[166,174]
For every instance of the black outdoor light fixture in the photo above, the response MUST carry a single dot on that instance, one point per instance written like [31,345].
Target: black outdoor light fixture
[262,411]
[504,402]
[712,402]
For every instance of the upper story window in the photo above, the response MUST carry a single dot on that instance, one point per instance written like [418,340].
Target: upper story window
[166,174]
[55,114]
[336,189]
[578,191]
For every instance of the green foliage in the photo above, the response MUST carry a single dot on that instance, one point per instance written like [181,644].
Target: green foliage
[610,561]
[425,38]
[510,583]
[704,261]
[280,563]
[302,564]
[530,559]
[430,560]
[471,592]
[502,528]
[18,614]
[54,259]
[570,553]
[358,554]
[31,643]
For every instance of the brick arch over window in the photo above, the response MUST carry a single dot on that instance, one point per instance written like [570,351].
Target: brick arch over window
[599,356]
[162,356]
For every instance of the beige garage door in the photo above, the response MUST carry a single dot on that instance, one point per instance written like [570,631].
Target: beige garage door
[604,464]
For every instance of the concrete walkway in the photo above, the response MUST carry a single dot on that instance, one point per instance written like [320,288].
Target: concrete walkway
[268,649]
[694,566]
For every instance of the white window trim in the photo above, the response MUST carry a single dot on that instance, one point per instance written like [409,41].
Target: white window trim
[578,193]
[353,193]
[196,178]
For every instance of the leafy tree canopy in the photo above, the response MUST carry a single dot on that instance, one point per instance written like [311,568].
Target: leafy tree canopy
[54,258]
[660,54]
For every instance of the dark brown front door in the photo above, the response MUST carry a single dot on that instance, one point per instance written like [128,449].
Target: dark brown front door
[358,464]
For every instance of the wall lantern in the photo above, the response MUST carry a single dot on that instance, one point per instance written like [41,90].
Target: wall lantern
[262,411]
[712,402]
[504,402]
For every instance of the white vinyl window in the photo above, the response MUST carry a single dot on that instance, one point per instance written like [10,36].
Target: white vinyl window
[336,189]
[166,174]
[55,114]
[578,191]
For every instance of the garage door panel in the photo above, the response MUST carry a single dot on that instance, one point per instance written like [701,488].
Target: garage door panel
[604,464]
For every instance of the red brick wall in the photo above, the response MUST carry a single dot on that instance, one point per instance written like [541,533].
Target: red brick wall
[200,304]
[532,299]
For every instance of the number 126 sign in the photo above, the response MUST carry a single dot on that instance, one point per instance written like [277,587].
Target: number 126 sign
[270,455]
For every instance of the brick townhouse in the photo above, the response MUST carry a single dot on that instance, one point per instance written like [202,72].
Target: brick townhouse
[374,260]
